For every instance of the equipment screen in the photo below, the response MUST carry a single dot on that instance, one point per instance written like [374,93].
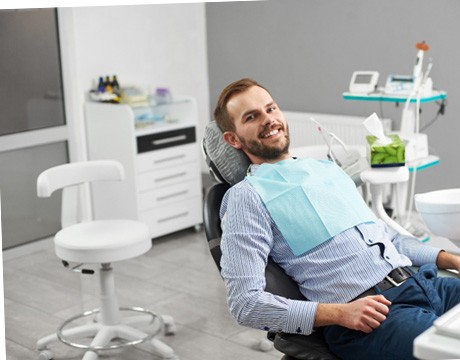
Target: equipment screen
[363,79]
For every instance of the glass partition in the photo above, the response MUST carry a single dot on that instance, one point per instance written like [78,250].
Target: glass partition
[33,134]
[26,217]
[30,74]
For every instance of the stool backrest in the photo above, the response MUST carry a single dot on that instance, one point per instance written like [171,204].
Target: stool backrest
[73,178]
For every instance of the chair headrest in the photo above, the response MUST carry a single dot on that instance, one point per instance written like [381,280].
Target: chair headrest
[226,163]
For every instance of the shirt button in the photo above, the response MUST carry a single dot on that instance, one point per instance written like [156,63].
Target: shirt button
[266,328]
[370,241]
[387,257]
[299,330]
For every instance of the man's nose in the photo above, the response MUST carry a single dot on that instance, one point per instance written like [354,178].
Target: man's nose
[268,119]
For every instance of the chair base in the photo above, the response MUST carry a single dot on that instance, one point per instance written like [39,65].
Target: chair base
[109,337]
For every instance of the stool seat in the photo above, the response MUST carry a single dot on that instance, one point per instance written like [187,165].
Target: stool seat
[102,241]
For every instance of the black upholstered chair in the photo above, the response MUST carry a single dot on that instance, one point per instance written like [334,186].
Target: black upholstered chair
[228,167]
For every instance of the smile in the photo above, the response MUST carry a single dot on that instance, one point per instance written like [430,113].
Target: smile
[271,133]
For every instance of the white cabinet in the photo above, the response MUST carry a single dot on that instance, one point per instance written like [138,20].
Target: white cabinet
[161,160]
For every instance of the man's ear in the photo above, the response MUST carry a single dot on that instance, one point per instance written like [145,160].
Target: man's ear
[232,139]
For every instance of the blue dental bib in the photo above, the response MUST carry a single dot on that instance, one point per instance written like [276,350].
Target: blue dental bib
[310,200]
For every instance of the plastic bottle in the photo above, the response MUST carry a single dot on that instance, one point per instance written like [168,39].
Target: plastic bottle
[108,86]
[163,96]
[101,85]
[115,85]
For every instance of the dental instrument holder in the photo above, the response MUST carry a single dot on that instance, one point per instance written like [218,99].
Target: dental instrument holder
[377,179]
[414,165]
[350,160]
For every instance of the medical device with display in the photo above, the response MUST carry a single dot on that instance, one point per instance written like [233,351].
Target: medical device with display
[363,81]
[400,84]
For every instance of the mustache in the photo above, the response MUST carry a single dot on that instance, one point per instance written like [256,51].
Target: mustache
[276,125]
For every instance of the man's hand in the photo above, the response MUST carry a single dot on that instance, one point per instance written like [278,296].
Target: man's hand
[364,314]
[447,260]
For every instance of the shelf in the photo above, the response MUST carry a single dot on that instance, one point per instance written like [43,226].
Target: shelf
[167,116]
[380,96]
[423,164]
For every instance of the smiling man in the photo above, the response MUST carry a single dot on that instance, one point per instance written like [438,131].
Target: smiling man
[309,218]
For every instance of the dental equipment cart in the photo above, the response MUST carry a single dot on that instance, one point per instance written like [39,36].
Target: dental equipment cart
[416,143]
[409,133]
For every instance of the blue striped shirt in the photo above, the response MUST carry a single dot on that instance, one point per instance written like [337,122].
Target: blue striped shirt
[336,271]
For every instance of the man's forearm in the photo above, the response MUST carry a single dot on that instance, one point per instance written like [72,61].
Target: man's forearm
[364,314]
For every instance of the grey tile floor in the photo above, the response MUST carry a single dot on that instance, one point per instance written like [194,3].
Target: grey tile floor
[176,277]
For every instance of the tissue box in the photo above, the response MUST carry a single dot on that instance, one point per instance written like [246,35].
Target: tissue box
[389,155]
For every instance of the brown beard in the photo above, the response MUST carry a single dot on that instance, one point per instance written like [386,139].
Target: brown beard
[256,148]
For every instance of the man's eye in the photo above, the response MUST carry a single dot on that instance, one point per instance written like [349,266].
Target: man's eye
[271,109]
[250,117]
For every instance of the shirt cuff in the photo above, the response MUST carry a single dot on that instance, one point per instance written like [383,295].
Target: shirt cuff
[426,255]
[301,317]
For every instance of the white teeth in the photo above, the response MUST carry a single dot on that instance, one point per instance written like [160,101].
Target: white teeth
[271,133]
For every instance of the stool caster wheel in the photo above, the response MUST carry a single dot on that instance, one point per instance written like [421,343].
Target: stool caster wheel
[45,355]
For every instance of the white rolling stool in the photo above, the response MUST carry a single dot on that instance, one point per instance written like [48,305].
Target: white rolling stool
[102,242]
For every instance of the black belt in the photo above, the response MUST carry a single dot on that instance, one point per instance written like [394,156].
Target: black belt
[395,278]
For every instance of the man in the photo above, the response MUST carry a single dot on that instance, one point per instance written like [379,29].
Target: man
[325,238]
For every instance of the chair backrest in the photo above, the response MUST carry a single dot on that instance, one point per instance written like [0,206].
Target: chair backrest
[73,179]
[229,166]
[226,163]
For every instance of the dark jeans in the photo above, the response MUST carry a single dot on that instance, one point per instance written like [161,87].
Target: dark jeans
[416,304]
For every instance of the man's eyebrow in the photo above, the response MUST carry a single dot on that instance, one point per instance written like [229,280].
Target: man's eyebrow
[248,112]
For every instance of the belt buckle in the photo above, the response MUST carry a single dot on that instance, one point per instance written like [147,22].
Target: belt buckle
[393,282]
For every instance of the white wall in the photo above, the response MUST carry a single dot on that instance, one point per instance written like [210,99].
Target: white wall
[146,45]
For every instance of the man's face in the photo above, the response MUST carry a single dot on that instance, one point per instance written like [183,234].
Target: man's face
[260,128]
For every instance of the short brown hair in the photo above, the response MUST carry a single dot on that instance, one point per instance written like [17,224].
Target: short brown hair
[221,115]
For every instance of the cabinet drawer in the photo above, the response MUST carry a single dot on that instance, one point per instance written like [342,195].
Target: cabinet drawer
[169,176]
[169,194]
[165,139]
[173,217]
[166,157]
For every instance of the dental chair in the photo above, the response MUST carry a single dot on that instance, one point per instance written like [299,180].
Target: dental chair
[84,244]
[228,166]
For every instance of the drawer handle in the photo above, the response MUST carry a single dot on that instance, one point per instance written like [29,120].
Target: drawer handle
[171,176]
[169,158]
[179,193]
[173,217]
[169,140]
